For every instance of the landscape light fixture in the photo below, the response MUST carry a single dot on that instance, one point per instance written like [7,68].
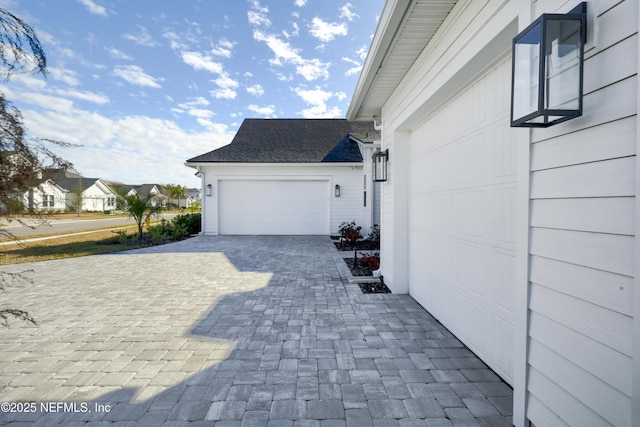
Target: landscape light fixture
[337,190]
[380,161]
[208,190]
[547,69]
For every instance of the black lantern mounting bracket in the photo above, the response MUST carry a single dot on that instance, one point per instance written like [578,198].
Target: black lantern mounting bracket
[547,69]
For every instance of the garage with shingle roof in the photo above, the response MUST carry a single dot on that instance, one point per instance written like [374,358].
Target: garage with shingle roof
[289,176]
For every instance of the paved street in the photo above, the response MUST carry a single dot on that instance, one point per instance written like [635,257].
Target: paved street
[232,331]
[67,225]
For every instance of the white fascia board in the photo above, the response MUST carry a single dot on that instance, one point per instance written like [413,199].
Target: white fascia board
[388,25]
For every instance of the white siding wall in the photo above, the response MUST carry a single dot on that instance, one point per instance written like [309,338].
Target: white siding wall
[576,249]
[349,206]
[50,190]
[583,185]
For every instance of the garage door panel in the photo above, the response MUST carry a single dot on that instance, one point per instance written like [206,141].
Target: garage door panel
[460,199]
[273,207]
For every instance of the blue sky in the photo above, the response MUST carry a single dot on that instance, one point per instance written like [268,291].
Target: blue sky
[144,85]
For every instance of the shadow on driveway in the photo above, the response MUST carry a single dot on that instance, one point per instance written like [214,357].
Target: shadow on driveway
[235,330]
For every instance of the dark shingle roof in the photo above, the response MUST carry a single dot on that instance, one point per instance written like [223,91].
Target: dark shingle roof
[68,180]
[294,141]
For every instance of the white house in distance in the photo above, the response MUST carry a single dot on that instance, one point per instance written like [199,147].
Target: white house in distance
[521,241]
[289,176]
[158,196]
[97,195]
[46,197]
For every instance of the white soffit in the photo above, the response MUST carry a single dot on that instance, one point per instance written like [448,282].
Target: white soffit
[405,28]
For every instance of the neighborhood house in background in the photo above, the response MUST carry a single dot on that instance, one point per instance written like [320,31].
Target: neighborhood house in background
[62,190]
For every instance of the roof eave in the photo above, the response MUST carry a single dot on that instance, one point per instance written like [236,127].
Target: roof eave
[389,24]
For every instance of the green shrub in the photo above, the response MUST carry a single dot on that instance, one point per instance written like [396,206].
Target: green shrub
[186,225]
[159,232]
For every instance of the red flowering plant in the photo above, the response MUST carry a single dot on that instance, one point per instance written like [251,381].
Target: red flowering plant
[372,262]
[350,234]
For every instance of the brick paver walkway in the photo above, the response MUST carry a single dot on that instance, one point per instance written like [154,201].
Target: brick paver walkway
[232,331]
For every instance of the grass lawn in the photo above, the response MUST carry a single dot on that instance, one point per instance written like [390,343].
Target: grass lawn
[62,247]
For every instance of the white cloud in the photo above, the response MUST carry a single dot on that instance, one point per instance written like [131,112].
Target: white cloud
[201,62]
[317,99]
[256,90]
[283,51]
[112,147]
[258,16]
[347,13]
[223,93]
[310,69]
[258,19]
[353,70]
[300,3]
[194,102]
[93,8]
[266,111]
[143,38]
[117,53]
[201,113]
[362,52]
[95,98]
[64,75]
[226,87]
[224,48]
[313,69]
[136,76]
[51,99]
[175,41]
[326,31]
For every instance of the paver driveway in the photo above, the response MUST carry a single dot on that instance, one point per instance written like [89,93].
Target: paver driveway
[231,331]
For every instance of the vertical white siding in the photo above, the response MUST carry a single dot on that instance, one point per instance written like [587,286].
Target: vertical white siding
[583,186]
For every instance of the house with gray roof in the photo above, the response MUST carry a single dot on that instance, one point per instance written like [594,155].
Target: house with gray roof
[290,176]
[97,195]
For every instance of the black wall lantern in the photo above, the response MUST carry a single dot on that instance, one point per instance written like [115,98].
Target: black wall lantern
[208,190]
[380,160]
[547,70]
[337,190]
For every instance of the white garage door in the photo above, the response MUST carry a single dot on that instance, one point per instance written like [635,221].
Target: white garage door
[462,182]
[273,207]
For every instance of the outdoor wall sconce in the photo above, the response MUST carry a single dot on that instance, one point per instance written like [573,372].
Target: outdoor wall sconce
[380,160]
[208,190]
[547,70]
[337,190]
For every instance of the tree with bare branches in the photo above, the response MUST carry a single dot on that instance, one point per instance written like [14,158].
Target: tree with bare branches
[22,157]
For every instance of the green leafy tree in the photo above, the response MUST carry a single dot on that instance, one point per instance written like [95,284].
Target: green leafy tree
[140,209]
[21,157]
[176,191]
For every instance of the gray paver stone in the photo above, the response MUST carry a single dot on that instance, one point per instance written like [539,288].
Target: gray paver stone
[387,408]
[326,409]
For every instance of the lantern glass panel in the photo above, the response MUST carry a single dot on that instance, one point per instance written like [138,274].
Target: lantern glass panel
[563,61]
[526,74]
[380,166]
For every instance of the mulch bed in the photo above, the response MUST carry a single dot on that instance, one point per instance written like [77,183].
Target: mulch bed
[374,288]
[363,245]
[362,270]
[359,269]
